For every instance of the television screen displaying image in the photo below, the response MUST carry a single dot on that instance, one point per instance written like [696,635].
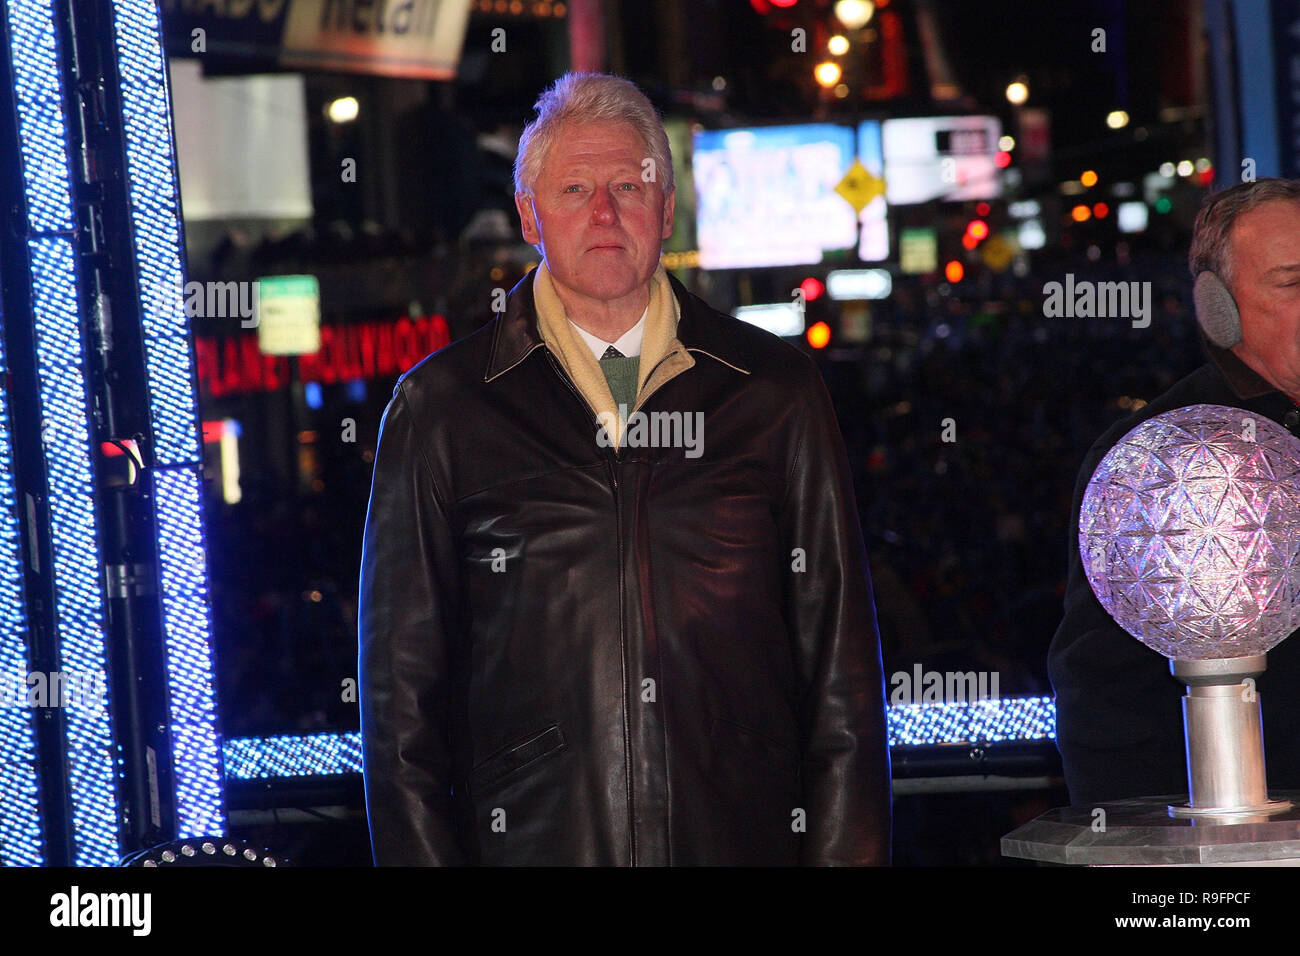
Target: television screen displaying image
[949,158]
[765,196]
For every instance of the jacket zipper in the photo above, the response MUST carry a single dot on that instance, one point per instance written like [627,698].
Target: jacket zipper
[610,461]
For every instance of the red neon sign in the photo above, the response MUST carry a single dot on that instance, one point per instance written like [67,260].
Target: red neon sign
[233,365]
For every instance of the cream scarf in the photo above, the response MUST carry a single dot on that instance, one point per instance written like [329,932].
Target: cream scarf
[662,355]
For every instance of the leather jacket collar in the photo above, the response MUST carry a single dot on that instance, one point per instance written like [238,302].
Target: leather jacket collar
[516,335]
[1243,379]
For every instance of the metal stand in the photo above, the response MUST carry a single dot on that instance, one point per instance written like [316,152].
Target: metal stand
[1225,738]
[1228,818]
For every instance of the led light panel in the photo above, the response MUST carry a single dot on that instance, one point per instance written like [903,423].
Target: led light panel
[79,612]
[74,536]
[1005,720]
[38,90]
[257,758]
[1000,720]
[21,832]
[151,180]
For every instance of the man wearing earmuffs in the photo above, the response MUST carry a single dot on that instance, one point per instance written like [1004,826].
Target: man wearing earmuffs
[1119,711]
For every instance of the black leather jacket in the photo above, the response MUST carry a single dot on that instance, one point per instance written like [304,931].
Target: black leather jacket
[572,655]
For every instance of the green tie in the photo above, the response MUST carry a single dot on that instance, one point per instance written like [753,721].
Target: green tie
[620,372]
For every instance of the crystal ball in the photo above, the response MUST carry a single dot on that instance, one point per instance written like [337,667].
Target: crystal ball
[1189,533]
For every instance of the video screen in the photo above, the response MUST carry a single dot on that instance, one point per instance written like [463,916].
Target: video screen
[948,158]
[766,195]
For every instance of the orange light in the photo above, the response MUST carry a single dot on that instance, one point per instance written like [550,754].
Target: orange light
[819,335]
[1088,178]
[1002,159]
[1080,213]
[812,288]
[954,271]
[978,228]
[1100,210]
[969,242]
[828,73]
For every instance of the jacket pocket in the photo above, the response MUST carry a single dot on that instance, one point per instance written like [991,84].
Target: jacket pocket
[517,756]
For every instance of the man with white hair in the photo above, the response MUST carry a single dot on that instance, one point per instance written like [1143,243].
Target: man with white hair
[615,606]
[1119,710]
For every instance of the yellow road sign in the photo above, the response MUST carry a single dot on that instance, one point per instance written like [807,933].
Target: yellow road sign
[859,187]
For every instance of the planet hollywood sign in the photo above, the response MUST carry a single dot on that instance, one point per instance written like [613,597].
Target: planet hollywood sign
[234,365]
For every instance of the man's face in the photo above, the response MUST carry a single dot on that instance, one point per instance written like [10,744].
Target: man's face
[1266,284]
[600,226]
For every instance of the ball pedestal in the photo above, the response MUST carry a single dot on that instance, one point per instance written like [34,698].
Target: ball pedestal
[1228,818]
[1225,739]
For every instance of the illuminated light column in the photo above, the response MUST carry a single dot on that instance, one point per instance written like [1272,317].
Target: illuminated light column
[177,453]
[21,830]
[50,231]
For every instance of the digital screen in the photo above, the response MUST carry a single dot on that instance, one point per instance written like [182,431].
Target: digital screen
[949,158]
[766,196]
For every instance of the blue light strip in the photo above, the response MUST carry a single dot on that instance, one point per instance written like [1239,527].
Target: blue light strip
[21,836]
[1006,720]
[56,309]
[260,758]
[43,140]
[169,365]
[195,748]
[78,602]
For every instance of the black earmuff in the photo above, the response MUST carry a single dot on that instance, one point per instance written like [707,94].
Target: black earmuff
[1216,311]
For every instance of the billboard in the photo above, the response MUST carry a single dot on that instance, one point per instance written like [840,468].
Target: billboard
[414,39]
[949,158]
[766,196]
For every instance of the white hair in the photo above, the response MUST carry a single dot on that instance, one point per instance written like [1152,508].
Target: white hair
[590,97]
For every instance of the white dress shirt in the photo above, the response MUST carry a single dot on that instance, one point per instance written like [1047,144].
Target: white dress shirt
[629,343]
